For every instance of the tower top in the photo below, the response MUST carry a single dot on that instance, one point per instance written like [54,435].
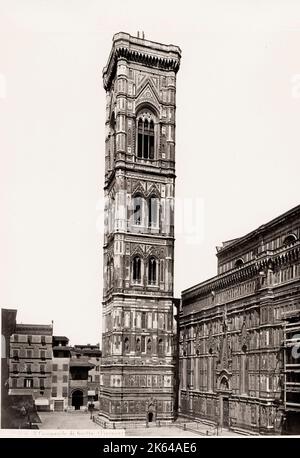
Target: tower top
[138,49]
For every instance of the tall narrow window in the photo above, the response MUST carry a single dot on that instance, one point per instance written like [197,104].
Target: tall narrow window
[210,371]
[29,353]
[153,211]
[160,347]
[145,147]
[140,138]
[151,140]
[108,274]
[244,371]
[136,269]
[137,210]
[149,346]
[138,345]
[144,320]
[28,383]
[15,354]
[126,344]
[112,141]
[152,268]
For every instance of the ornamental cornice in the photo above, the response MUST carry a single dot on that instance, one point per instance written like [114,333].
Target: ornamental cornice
[147,53]
[268,260]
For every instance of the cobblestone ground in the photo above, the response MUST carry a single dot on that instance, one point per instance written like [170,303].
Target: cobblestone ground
[194,429]
[81,420]
[66,420]
[163,431]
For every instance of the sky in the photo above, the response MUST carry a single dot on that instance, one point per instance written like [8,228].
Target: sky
[237,150]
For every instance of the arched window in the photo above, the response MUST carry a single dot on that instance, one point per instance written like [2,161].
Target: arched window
[224,384]
[160,347]
[239,262]
[145,147]
[110,273]
[137,210]
[244,371]
[138,345]
[149,346]
[136,269]
[152,271]
[112,140]
[153,211]
[210,376]
[126,344]
[290,239]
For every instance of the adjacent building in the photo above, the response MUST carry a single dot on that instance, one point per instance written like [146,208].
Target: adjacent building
[44,370]
[232,367]
[291,374]
[8,325]
[30,364]
[74,379]
[60,373]
[138,364]
[93,354]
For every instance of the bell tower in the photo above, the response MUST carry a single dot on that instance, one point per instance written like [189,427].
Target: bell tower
[138,349]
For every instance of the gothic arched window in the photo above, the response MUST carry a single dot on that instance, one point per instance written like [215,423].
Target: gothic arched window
[138,345]
[153,211]
[145,147]
[152,271]
[244,371]
[149,346]
[137,210]
[136,269]
[126,344]
[112,141]
[161,347]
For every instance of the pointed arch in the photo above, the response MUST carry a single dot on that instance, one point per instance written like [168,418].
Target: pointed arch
[137,269]
[146,121]
[153,211]
[152,270]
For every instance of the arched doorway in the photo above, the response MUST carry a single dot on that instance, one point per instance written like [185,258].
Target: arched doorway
[77,399]
[150,417]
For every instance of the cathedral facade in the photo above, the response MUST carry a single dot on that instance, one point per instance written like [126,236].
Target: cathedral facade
[234,367]
[138,348]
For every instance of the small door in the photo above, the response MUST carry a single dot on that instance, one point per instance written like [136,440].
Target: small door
[58,406]
[225,412]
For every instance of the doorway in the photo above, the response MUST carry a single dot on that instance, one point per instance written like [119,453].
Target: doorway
[150,417]
[77,399]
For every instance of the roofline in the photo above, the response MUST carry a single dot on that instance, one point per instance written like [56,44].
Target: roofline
[239,241]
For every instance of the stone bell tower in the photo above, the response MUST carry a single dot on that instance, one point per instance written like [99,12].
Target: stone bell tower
[137,374]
